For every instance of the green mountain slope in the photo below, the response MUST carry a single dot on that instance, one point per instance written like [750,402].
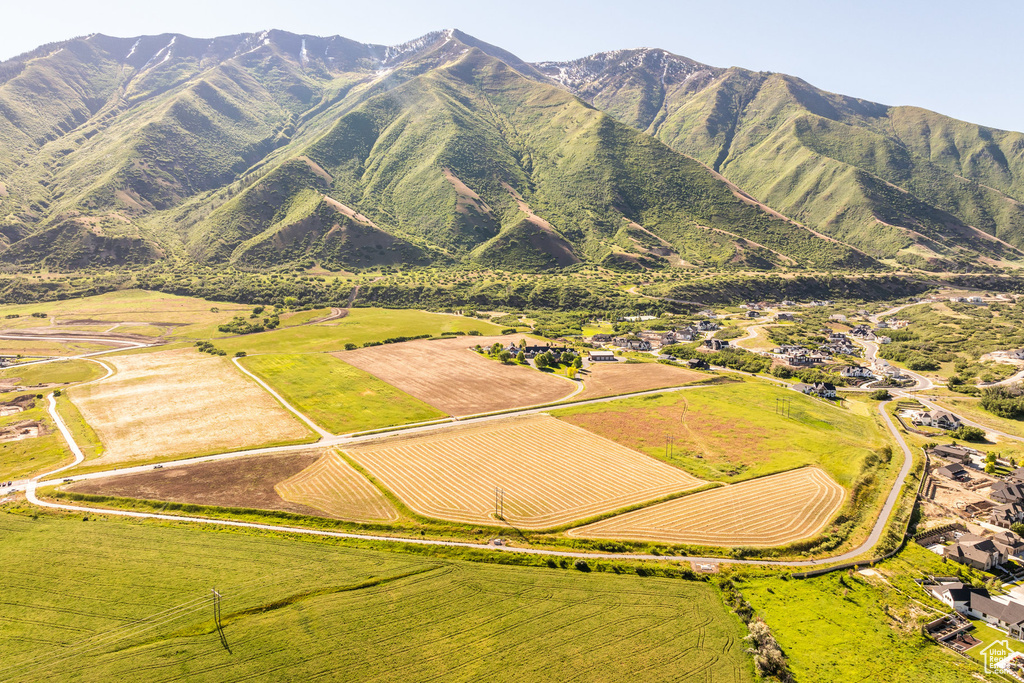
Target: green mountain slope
[269,149]
[896,182]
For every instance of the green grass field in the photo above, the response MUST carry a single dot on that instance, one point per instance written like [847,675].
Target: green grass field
[30,456]
[732,432]
[337,396]
[850,627]
[359,326]
[305,609]
[61,372]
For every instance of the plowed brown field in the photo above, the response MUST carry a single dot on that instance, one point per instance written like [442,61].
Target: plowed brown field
[245,483]
[552,473]
[612,379]
[769,511]
[452,377]
[332,485]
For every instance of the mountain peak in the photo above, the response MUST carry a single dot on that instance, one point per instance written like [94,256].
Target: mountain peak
[579,74]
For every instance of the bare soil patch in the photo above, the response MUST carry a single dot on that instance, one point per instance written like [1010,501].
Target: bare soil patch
[25,429]
[180,402]
[550,473]
[770,511]
[244,483]
[450,376]
[611,379]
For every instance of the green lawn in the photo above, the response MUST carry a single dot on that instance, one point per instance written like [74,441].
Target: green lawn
[304,609]
[337,396]
[848,627]
[359,326]
[30,456]
[61,372]
[732,432]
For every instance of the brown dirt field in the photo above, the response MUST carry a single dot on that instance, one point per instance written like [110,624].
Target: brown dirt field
[334,486]
[610,379]
[551,473]
[180,402]
[245,483]
[25,429]
[450,376]
[770,511]
[714,437]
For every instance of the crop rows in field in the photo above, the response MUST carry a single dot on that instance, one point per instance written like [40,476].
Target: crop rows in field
[332,485]
[770,511]
[551,473]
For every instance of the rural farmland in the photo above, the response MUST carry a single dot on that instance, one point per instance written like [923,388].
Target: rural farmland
[765,512]
[335,487]
[611,379]
[453,378]
[180,402]
[550,472]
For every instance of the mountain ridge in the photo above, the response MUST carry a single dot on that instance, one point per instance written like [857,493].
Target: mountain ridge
[237,149]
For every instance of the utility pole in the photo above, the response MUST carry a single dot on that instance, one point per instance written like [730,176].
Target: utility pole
[216,608]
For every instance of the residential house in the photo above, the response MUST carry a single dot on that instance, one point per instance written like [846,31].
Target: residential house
[821,389]
[783,316]
[973,551]
[958,453]
[753,314]
[977,300]
[1017,475]
[936,418]
[855,372]
[632,344]
[707,325]
[955,472]
[1006,492]
[1010,545]
[600,356]
[715,344]
[883,340]
[698,364]
[1007,615]
[1007,515]
[601,338]
[837,317]
[531,352]
[861,331]
[687,334]
[657,339]
[637,318]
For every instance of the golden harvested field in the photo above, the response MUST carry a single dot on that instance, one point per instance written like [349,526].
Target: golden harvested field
[452,377]
[332,485]
[611,379]
[180,402]
[770,511]
[552,473]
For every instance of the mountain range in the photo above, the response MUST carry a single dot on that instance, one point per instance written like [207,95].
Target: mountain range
[274,149]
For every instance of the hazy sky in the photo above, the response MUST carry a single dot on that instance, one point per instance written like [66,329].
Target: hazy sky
[960,58]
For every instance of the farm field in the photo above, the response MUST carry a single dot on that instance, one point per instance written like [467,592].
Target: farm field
[180,402]
[854,627]
[60,372]
[167,312]
[731,432]
[453,378]
[333,486]
[551,473]
[611,379]
[41,348]
[770,511]
[361,325]
[336,395]
[308,608]
[244,483]
[26,456]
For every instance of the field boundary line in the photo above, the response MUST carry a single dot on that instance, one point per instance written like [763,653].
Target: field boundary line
[280,399]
